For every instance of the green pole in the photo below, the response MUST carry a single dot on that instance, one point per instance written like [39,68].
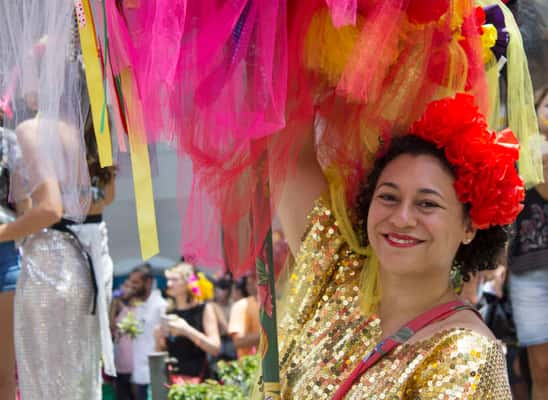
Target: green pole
[267,313]
[267,296]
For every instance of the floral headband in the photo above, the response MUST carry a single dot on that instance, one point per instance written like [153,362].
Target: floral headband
[484,161]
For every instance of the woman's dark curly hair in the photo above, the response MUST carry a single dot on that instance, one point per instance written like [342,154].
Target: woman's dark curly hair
[99,176]
[482,253]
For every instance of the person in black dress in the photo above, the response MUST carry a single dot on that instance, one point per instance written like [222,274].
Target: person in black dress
[190,329]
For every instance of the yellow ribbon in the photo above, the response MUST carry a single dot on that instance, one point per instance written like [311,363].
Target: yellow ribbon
[94,79]
[140,164]
[272,391]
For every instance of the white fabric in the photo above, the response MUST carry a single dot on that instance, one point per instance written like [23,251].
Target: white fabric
[149,314]
[94,238]
[41,76]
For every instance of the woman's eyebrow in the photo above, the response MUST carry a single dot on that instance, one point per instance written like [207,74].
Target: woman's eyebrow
[430,191]
[392,185]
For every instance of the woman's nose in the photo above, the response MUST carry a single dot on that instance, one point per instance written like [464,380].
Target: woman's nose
[403,216]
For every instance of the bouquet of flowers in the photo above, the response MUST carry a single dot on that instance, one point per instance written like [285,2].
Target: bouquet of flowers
[130,326]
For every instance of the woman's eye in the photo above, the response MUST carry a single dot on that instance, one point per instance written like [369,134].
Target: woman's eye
[428,204]
[387,197]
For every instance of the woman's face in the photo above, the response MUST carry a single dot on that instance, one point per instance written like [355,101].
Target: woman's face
[176,284]
[416,222]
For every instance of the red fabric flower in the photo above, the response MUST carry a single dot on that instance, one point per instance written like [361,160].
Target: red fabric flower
[484,161]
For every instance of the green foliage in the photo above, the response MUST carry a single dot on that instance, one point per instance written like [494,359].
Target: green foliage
[208,390]
[236,377]
[239,373]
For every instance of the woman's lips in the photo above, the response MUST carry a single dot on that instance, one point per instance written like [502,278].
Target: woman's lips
[401,241]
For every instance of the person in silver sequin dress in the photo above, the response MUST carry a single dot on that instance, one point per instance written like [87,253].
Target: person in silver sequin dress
[56,334]
[93,235]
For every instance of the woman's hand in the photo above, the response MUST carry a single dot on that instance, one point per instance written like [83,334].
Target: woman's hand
[180,327]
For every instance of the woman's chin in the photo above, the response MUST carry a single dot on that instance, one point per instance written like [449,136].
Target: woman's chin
[399,264]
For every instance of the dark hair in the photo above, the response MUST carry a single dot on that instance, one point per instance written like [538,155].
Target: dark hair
[241,285]
[480,254]
[99,176]
[224,283]
[144,269]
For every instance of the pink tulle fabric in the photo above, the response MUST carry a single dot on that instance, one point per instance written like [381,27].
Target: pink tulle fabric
[238,85]
[343,12]
[233,90]
[405,56]
[145,37]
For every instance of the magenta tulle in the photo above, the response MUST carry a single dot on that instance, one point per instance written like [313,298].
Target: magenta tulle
[147,41]
[238,85]
[404,57]
[233,89]
[343,12]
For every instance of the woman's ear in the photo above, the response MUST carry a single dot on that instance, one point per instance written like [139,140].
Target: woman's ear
[469,233]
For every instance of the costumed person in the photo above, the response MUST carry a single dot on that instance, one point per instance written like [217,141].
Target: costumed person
[55,273]
[190,329]
[528,265]
[149,308]
[9,264]
[93,236]
[427,207]
[57,337]
[350,76]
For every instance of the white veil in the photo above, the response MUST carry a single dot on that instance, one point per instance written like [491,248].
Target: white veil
[42,79]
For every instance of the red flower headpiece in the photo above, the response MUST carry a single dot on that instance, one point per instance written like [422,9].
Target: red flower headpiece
[484,161]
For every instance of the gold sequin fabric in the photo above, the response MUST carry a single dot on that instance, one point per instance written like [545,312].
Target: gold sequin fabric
[323,335]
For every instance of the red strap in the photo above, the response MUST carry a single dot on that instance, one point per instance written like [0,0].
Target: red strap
[401,336]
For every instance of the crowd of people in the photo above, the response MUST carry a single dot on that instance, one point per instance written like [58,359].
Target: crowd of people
[197,321]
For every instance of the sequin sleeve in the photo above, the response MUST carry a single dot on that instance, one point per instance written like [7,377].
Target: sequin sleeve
[312,270]
[464,365]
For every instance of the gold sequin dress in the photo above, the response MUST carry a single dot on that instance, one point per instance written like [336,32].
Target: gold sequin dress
[323,335]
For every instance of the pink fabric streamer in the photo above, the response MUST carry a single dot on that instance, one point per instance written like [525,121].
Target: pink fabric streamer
[147,39]
[343,12]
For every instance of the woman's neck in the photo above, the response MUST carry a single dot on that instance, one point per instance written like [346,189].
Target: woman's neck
[405,297]
[182,303]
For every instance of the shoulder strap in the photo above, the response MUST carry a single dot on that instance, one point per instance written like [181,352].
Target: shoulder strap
[437,313]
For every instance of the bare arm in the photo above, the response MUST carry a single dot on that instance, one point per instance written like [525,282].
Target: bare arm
[249,340]
[300,191]
[209,340]
[47,209]
[110,191]
[221,319]
[237,327]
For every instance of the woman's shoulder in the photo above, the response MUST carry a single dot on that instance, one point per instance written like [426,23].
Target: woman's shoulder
[464,362]
[466,321]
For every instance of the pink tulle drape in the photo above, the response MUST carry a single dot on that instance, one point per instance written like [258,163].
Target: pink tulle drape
[237,86]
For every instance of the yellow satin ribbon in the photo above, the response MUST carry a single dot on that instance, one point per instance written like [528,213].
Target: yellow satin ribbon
[140,164]
[94,79]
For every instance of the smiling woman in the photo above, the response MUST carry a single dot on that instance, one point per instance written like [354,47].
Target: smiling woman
[410,192]
[422,213]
